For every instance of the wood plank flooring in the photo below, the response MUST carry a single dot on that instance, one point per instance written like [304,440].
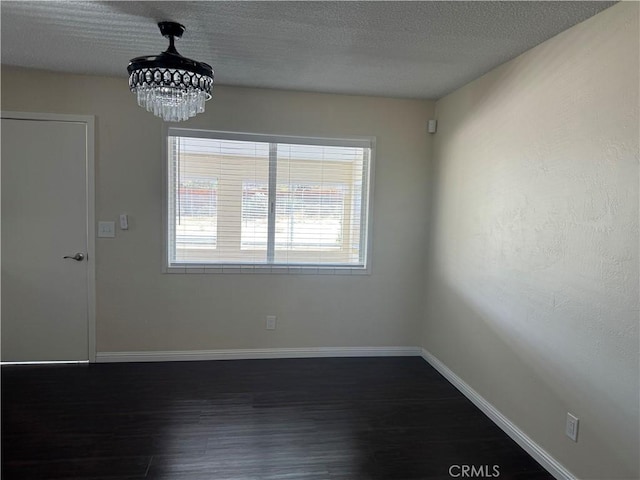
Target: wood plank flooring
[293,419]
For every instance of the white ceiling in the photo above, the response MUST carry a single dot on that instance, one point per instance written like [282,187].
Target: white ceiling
[400,49]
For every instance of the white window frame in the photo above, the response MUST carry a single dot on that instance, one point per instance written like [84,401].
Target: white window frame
[329,269]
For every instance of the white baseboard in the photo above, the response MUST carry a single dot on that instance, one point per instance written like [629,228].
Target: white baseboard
[47,362]
[257,353]
[532,448]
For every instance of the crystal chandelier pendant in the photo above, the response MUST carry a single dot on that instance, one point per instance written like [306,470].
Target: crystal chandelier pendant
[169,85]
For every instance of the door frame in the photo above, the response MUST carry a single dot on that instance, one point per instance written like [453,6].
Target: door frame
[89,122]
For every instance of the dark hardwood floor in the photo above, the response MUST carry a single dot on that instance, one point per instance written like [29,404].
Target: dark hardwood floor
[307,419]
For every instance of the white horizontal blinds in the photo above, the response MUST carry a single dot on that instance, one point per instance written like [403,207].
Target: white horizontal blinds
[195,207]
[240,199]
[244,171]
[217,214]
[319,199]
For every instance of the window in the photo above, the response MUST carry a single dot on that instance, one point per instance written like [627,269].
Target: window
[243,201]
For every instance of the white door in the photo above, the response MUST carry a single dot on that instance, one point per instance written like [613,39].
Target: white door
[45,297]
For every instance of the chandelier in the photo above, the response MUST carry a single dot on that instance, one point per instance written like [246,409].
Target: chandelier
[169,85]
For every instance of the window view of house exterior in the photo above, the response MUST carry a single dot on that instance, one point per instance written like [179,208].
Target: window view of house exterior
[266,203]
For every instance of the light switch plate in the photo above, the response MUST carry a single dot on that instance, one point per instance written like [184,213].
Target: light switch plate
[106,229]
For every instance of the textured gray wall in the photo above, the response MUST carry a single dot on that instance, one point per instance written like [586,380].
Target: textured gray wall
[533,268]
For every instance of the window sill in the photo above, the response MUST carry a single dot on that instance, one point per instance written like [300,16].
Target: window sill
[266,269]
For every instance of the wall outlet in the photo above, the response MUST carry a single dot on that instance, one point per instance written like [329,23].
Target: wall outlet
[271,322]
[572,427]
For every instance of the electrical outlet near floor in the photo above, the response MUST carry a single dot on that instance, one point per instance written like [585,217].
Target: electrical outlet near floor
[271,322]
[572,427]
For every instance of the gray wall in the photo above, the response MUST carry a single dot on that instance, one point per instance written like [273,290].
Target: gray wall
[140,309]
[533,266]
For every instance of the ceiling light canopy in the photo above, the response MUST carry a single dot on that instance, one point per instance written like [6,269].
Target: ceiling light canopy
[169,85]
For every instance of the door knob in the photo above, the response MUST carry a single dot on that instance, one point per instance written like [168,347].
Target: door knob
[78,257]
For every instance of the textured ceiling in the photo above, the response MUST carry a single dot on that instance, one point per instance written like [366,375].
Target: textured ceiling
[402,49]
